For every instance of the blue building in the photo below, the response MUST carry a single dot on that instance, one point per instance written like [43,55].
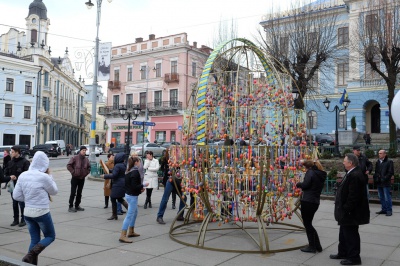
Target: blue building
[345,71]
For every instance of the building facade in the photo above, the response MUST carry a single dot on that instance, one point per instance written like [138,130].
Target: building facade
[52,94]
[348,72]
[158,74]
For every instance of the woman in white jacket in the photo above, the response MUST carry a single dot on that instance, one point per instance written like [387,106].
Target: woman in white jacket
[151,165]
[35,187]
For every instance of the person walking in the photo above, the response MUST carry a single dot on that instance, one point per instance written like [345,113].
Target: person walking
[35,187]
[364,164]
[312,186]
[151,165]
[351,211]
[107,182]
[164,167]
[15,167]
[367,138]
[6,159]
[133,188]
[79,167]
[118,184]
[68,149]
[384,171]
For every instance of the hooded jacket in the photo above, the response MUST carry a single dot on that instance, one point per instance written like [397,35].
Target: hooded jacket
[34,186]
[118,176]
[312,185]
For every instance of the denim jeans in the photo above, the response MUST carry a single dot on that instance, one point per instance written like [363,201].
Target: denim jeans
[164,200]
[119,207]
[385,198]
[42,223]
[132,212]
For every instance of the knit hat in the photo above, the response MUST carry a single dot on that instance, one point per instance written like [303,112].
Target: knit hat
[82,148]
[357,148]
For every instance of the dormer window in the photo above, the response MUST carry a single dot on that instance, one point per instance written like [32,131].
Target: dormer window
[34,20]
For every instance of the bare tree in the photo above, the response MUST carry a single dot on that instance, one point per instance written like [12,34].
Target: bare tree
[301,42]
[377,39]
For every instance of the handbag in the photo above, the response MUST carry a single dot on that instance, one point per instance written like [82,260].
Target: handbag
[10,186]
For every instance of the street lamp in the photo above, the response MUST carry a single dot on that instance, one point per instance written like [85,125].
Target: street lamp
[146,114]
[92,140]
[337,110]
[128,116]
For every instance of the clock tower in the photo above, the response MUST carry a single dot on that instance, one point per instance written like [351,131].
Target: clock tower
[37,25]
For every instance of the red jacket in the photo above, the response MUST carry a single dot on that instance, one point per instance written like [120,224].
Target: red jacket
[79,166]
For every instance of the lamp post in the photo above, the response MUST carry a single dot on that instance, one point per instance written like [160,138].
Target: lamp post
[128,116]
[337,110]
[146,113]
[92,140]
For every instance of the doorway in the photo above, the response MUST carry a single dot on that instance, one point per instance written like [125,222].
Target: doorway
[376,119]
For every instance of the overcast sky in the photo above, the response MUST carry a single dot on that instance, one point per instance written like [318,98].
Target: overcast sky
[72,25]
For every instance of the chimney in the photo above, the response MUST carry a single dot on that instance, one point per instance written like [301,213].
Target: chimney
[195,44]
[152,37]
[140,39]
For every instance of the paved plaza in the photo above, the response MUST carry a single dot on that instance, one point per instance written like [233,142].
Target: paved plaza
[88,238]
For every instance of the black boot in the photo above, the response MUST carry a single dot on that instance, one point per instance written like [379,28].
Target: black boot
[150,203]
[32,256]
[106,202]
[145,203]
[114,212]
[125,204]
[173,200]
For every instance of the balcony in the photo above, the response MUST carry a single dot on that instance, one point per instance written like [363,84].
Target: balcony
[165,106]
[114,109]
[116,84]
[171,77]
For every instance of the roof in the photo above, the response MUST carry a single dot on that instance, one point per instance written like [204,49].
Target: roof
[38,8]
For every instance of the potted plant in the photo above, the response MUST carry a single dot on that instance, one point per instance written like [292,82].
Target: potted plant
[353,123]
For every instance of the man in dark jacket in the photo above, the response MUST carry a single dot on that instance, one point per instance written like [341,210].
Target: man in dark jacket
[16,166]
[364,164]
[384,171]
[351,210]
[6,159]
[79,167]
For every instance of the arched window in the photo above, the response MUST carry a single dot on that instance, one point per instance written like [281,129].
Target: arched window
[312,121]
[33,35]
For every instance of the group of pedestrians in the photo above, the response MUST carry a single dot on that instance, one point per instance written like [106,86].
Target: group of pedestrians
[34,187]
[351,201]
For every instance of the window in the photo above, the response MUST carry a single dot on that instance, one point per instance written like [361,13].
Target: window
[161,136]
[157,98]
[369,72]
[8,139]
[28,87]
[46,103]
[174,66]
[115,102]
[342,73]
[194,69]
[116,74]
[117,136]
[27,112]
[33,35]
[284,44]
[129,100]
[342,119]
[46,78]
[10,84]
[371,24]
[173,97]
[343,36]
[173,136]
[8,110]
[129,74]
[142,100]
[143,72]
[158,70]
[312,120]
[139,136]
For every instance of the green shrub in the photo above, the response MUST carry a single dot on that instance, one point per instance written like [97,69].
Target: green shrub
[392,153]
[369,153]
[326,155]
[353,122]
[346,151]
[332,175]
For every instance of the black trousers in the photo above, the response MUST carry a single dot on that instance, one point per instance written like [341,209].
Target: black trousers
[349,242]
[308,211]
[76,188]
[16,206]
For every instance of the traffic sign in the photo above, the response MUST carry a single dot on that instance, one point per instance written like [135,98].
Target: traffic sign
[140,123]
[180,128]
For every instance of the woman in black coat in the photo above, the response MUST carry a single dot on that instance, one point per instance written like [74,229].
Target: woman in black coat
[312,186]
[118,184]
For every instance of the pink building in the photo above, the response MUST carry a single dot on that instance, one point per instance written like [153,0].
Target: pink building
[160,74]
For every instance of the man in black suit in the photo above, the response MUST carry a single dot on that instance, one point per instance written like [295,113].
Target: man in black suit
[351,211]
[384,171]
